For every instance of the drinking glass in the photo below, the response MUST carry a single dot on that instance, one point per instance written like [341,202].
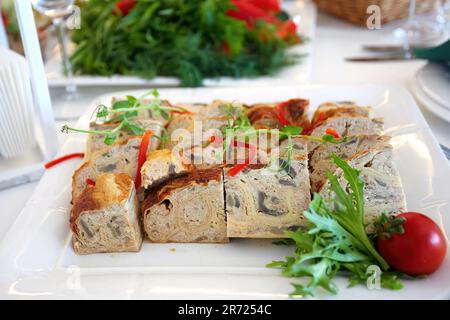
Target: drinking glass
[58,11]
[421,30]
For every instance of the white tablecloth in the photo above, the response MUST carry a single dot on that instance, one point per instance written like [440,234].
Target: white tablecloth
[334,40]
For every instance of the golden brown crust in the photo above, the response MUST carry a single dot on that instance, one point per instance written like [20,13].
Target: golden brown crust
[265,116]
[350,111]
[296,112]
[260,112]
[198,177]
[159,154]
[75,173]
[98,154]
[109,188]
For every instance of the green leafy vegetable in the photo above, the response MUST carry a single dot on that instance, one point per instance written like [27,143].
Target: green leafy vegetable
[191,40]
[335,240]
[291,130]
[122,112]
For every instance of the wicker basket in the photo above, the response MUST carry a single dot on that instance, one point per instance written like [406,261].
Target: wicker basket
[354,11]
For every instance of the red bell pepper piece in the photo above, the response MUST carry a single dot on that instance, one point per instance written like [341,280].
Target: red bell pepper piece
[281,113]
[287,30]
[267,5]
[142,156]
[62,159]
[315,123]
[333,132]
[249,13]
[90,182]
[241,166]
[184,111]
[125,6]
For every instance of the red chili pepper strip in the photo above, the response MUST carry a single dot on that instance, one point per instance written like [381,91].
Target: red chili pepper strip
[216,140]
[241,166]
[249,13]
[267,5]
[185,111]
[333,132]
[316,122]
[281,113]
[142,156]
[62,159]
[90,182]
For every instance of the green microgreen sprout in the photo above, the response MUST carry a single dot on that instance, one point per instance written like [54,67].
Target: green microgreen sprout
[121,114]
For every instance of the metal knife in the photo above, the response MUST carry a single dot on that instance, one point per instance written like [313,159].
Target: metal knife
[385,48]
[381,58]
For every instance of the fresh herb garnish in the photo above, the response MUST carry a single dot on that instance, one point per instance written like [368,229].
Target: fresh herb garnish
[122,112]
[335,240]
[191,40]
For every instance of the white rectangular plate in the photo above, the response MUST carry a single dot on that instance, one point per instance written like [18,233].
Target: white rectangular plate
[37,260]
[304,13]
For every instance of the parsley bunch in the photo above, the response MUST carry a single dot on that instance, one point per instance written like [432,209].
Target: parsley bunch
[335,240]
[191,40]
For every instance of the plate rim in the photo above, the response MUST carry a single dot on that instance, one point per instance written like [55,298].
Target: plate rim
[398,88]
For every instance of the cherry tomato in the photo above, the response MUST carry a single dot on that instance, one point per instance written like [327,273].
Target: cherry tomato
[419,250]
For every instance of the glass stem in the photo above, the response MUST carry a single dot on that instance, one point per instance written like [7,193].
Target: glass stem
[71,88]
[412,11]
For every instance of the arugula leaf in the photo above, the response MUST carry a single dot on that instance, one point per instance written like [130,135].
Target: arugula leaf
[352,217]
[389,279]
[320,275]
[284,242]
[334,240]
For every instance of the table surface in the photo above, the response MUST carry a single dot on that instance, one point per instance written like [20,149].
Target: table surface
[334,40]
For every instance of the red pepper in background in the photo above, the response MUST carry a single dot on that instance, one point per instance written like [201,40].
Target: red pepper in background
[281,113]
[332,132]
[287,30]
[5,18]
[267,5]
[62,159]
[90,182]
[142,156]
[252,10]
[226,48]
[248,12]
[125,6]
